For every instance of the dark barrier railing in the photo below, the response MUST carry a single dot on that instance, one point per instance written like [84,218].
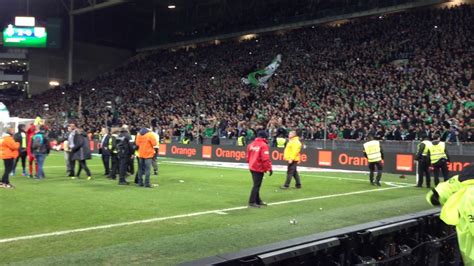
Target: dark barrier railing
[415,239]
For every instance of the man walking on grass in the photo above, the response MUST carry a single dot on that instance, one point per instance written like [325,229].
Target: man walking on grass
[258,158]
[292,155]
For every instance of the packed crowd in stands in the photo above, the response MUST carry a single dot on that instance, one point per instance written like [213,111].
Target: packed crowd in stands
[395,76]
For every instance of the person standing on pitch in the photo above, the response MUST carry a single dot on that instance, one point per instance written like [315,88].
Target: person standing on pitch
[423,161]
[292,155]
[145,143]
[21,138]
[374,154]
[258,158]
[70,140]
[125,152]
[40,149]
[112,147]
[8,152]
[439,158]
[82,152]
[104,150]
[456,197]
[154,162]
[30,132]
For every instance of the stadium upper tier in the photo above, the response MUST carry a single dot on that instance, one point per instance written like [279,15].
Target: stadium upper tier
[396,75]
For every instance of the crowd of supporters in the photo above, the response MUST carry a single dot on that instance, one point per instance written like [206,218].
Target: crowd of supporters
[395,76]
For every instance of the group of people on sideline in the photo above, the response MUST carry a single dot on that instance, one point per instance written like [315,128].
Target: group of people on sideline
[118,151]
[32,144]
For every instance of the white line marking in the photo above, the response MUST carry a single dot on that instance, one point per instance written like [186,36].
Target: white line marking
[159,219]
[243,167]
[221,212]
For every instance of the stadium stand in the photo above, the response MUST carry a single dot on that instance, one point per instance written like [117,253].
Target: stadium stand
[396,76]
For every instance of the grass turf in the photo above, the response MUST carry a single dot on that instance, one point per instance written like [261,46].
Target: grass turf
[59,203]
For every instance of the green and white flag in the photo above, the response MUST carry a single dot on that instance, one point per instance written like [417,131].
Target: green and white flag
[260,77]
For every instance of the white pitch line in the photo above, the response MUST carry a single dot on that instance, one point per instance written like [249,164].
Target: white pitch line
[159,219]
[238,166]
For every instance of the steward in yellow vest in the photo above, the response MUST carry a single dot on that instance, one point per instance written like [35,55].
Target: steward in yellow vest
[439,159]
[280,142]
[456,197]
[241,140]
[423,161]
[374,154]
[20,137]
[292,155]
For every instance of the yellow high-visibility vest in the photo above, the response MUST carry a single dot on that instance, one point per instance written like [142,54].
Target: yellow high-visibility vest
[111,148]
[437,152]
[280,142]
[428,144]
[185,141]
[23,140]
[373,151]
[240,141]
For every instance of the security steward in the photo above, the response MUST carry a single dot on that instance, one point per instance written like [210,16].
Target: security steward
[125,154]
[439,158]
[374,154]
[241,140]
[423,161]
[112,145]
[20,137]
[457,200]
[185,140]
[280,141]
[292,155]
[258,158]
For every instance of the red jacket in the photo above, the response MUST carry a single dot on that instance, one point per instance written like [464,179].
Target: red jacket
[258,156]
[30,132]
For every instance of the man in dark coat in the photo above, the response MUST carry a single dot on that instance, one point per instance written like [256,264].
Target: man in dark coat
[81,152]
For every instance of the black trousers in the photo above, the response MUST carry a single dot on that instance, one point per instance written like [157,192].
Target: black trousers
[106,162]
[424,170]
[115,166]
[72,163]
[23,161]
[124,163]
[8,164]
[83,165]
[372,167]
[292,172]
[257,178]
[443,166]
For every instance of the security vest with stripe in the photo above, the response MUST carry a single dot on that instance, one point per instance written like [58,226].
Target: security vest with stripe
[241,141]
[185,141]
[437,152]
[457,200]
[428,144]
[373,151]
[23,140]
[280,142]
[112,145]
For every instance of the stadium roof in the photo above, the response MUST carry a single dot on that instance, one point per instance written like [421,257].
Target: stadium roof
[130,23]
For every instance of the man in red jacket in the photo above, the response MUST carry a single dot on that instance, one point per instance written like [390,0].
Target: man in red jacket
[30,132]
[258,158]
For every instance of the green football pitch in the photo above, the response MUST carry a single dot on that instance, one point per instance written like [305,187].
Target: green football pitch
[194,211]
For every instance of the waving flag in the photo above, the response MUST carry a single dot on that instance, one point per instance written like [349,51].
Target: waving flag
[260,77]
